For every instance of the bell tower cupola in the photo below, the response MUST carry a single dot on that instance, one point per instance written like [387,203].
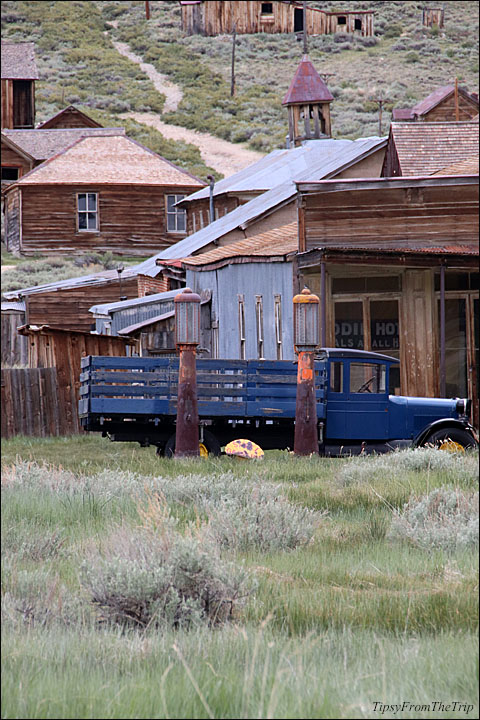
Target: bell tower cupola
[308,102]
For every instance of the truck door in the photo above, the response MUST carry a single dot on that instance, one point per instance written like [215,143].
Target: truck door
[366,407]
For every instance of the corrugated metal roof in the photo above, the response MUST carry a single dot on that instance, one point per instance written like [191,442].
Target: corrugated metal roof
[332,157]
[307,86]
[114,159]
[276,242]
[146,323]
[106,308]
[43,144]
[99,278]
[425,147]
[18,61]
[13,306]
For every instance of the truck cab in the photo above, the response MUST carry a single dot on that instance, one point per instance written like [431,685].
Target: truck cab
[361,412]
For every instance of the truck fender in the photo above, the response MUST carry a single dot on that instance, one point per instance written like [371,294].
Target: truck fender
[442,424]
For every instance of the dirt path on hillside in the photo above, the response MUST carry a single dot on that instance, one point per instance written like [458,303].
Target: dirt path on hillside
[225,157]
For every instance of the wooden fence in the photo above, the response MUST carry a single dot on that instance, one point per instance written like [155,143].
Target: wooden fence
[30,403]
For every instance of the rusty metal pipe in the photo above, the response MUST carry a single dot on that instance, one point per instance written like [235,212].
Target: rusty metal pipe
[186,436]
[306,440]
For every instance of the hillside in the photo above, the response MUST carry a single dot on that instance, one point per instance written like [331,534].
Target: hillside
[403,63]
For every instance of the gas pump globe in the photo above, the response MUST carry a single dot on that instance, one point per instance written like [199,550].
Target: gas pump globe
[306,334]
[187,318]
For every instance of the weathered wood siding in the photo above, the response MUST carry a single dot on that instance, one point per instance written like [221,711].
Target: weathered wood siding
[69,118]
[214,17]
[14,346]
[445,111]
[198,211]
[132,219]
[433,16]
[68,308]
[63,351]
[10,158]
[13,216]
[29,400]
[398,216]
[18,103]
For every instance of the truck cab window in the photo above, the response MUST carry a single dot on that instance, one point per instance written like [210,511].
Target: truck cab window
[367,378]
[336,377]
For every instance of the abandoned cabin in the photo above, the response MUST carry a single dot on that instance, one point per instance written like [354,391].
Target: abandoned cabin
[217,17]
[432,17]
[449,103]
[19,72]
[101,194]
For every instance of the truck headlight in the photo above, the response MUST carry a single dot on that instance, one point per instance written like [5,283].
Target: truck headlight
[463,406]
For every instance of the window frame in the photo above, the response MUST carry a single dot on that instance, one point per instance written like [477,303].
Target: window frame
[88,212]
[277,309]
[241,326]
[176,213]
[259,327]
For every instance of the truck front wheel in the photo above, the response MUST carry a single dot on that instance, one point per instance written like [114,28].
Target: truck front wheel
[451,439]
[209,446]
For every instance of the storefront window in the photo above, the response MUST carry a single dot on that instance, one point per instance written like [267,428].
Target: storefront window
[455,347]
[349,325]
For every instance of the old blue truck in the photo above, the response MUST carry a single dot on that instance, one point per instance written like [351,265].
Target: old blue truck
[135,399]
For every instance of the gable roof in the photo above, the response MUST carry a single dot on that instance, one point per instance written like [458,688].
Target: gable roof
[431,101]
[423,148]
[331,157]
[18,61]
[44,144]
[463,167]
[69,111]
[277,242]
[307,86]
[114,159]
[436,97]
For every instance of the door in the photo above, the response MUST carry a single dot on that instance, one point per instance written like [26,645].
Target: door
[298,20]
[366,412]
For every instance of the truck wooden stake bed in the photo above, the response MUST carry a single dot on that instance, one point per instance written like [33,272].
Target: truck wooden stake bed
[135,399]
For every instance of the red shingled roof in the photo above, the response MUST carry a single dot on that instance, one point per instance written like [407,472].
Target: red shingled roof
[423,148]
[307,86]
[436,97]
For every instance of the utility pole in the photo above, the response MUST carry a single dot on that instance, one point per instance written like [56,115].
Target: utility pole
[232,84]
[305,45]
[457,109]
[381,102]
[147,10]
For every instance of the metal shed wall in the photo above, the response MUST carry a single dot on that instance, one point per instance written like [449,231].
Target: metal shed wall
[249,279]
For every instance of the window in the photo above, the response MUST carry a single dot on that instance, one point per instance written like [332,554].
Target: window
[267,8]
[367,377]
[259,324]
[87,212]
[278,325]
[342,20]
[10,173]
[336,377]
[176,217]
[241,325]
[358,25]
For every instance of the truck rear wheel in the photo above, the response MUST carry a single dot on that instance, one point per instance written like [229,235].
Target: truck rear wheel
[209,446]
[451,439]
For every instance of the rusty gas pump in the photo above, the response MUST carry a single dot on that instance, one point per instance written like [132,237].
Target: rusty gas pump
[187,338]
[306,340]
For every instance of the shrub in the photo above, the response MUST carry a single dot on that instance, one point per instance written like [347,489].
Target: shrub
[412,57]
[460,468]
[393,30]
[444,518]
[157,576]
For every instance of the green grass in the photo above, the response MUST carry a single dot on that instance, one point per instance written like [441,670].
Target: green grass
[348,620]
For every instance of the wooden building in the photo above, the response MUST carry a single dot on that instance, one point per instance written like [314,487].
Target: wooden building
[19,72]
[395,262]
[104,193]
[65,304]
[433,16]
[22,150]
[217,17]
[69,117]
[14,346]
[450,103]
[63,350]
[425,148]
